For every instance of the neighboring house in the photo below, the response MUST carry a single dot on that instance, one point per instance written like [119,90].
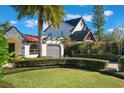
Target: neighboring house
[27,45]
[76,29]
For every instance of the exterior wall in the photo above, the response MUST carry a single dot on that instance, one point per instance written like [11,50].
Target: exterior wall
[79,26]
[14,37]
[44,49]
[64,30]
[26,51]
[62,50]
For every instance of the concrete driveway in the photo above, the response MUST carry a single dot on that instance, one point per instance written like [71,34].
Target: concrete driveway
[113,65]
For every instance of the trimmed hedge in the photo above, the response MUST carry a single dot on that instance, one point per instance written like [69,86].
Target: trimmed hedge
[112,72]
[103,57]
[83,63]
[121,64]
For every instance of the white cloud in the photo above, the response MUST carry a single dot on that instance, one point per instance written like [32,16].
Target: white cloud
[13,22]
[31,23]
[110,30]
[88,18]
[108,13]
[72,16]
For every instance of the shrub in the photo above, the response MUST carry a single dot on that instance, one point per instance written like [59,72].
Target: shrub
[103,57]
[112,72]
[90,48]
[83,63]
[4,55]
[121,64]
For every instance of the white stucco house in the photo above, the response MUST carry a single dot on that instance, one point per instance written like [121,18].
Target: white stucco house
[76,29]
[27,45]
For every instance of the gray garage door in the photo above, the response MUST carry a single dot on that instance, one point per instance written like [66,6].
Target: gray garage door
[53,50]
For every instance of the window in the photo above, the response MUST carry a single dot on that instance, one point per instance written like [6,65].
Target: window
[34,49]
[81,24]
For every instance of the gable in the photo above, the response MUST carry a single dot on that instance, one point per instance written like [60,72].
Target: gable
[90,37]
[14,33]
[80,25]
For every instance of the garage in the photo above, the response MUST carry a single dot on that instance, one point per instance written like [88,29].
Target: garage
[53,51]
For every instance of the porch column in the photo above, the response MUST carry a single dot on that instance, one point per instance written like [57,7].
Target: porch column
[62,50]
[44,49]
[26,50]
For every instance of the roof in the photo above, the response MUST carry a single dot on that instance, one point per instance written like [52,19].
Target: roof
[73,22]
[79,35]
[27,37]
[30,38]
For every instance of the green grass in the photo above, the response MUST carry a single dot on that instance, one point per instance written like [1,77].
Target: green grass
[62,77]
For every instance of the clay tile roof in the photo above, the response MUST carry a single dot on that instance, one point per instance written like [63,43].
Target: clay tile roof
[30,38]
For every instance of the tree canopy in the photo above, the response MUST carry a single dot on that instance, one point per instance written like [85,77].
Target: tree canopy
[98,21]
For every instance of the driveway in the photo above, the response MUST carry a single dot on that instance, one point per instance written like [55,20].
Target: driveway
[113,65]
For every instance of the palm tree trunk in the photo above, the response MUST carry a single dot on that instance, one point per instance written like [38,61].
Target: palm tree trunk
[40,26]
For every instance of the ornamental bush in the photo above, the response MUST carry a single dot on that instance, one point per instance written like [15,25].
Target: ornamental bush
[113,58]
[121,64]
[90,48]
[4,55]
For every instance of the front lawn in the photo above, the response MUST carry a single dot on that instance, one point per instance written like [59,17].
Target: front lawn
[62,77]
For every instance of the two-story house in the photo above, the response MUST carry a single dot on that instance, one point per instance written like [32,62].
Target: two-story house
[76,29]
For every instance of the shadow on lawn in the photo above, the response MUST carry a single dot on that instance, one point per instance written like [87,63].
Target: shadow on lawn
[4,84]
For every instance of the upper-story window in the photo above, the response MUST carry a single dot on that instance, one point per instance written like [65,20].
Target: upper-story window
[81,24]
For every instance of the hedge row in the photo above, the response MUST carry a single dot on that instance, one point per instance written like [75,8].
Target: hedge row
[112,72]
[103,57]
[121,64]
[83,63]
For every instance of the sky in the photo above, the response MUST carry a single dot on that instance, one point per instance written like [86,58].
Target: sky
[114,16]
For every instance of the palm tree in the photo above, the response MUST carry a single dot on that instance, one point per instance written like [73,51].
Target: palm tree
[50,14]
